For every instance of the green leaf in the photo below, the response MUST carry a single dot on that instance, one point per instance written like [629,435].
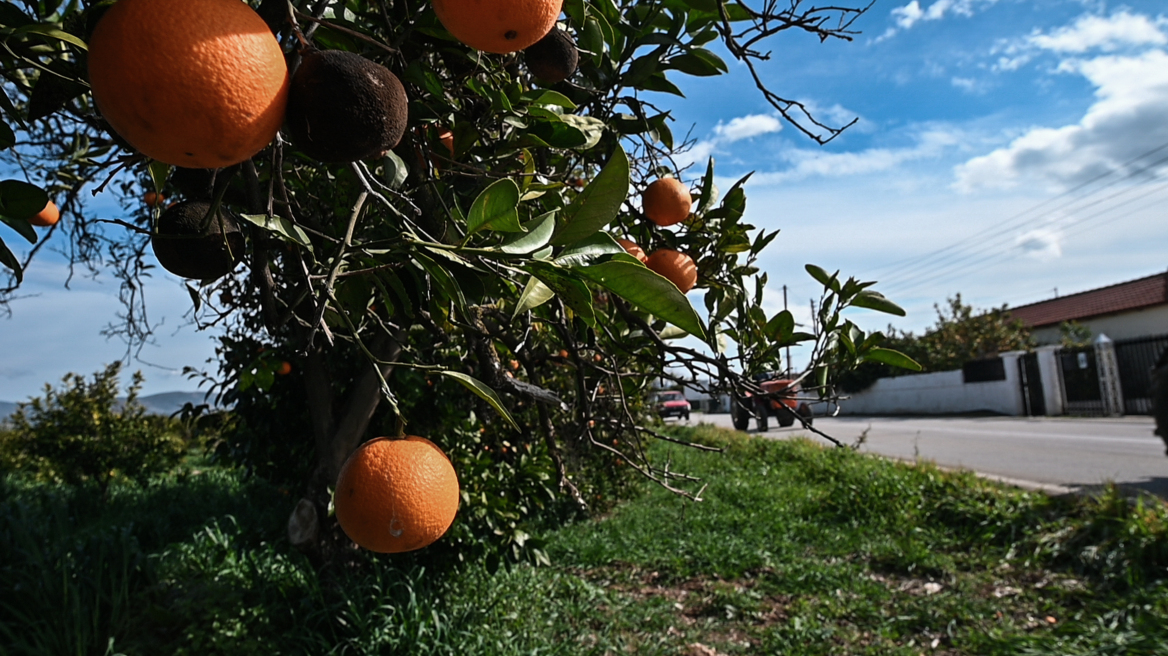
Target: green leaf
[824,279]
[591,128]
[9,260]
[658,82]
[485,393]
[21,200]
[22,226]
[626,277]
[539,233]
[556,133]
[586,251]
[444,281]
[876,301]
[394,170]
[496,208]
[698,65]
[52,32]
[159,172]
[548,97]
[709,194]
[281,227]
[573,292]
[780,326]
[7,136]
[891,357]
[196,300]
[534,295]
[642,67]
[598,204]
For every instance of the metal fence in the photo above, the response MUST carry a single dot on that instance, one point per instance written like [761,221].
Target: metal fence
[1080,382]
[1135,358]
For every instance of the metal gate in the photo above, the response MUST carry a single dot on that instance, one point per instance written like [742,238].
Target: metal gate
[1135,358]
[1080,377]
[1031,379]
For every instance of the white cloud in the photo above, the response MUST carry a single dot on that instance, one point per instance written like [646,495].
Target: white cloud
[1125,121]
[737,129]
[1107,33]
[931,142]
[746,127]
[906,16]
[1042,244]
[967,84]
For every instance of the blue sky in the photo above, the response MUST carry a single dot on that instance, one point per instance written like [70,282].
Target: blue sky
[1004,149]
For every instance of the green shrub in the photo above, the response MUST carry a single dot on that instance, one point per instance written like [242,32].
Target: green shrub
[80,434]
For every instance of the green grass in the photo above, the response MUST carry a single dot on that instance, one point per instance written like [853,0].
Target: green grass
[795,549]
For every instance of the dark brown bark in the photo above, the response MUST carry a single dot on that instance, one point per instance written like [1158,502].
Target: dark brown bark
[336,433]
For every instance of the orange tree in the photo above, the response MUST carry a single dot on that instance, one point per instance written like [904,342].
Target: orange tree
[466,284]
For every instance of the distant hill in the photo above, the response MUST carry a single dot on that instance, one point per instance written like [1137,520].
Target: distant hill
[164,403]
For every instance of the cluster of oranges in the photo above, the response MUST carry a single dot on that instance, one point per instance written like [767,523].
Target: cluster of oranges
[219,86]
[666,202]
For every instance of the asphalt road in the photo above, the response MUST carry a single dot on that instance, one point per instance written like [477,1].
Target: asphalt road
[1059,454]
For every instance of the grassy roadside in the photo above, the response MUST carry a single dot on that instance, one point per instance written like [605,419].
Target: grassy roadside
[797,549]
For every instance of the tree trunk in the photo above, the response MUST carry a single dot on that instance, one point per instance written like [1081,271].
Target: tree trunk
[337,431]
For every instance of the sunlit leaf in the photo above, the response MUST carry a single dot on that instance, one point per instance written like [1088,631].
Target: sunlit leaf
[876,301]
[535,294]
[539,233]
[625,276]
[484,392]
[496,208]
[822,276]
[587,250]
[281,227]
[598,204]
[891,357]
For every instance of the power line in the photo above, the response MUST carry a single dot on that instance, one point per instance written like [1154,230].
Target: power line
[917,262]
[1005,238]
[948,273]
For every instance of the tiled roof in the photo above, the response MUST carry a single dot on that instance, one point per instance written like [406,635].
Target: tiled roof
[1131,295]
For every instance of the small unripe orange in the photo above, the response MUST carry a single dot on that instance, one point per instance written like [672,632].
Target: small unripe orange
[284,369]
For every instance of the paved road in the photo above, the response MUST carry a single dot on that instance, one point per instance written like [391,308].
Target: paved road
[1056,453]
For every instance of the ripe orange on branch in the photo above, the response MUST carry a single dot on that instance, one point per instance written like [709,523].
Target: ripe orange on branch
[666,201]
[47,216]
[632,248]
[498,26]
[396,495]
[196,83]
[679,268]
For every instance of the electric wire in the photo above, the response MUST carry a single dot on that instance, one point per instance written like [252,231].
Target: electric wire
[900,267]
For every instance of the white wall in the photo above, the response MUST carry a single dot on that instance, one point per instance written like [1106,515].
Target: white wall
[940,393]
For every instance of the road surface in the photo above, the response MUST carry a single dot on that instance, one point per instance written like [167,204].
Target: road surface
[1059,454]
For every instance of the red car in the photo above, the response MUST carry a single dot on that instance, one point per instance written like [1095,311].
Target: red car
[780,402]
[672,403]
